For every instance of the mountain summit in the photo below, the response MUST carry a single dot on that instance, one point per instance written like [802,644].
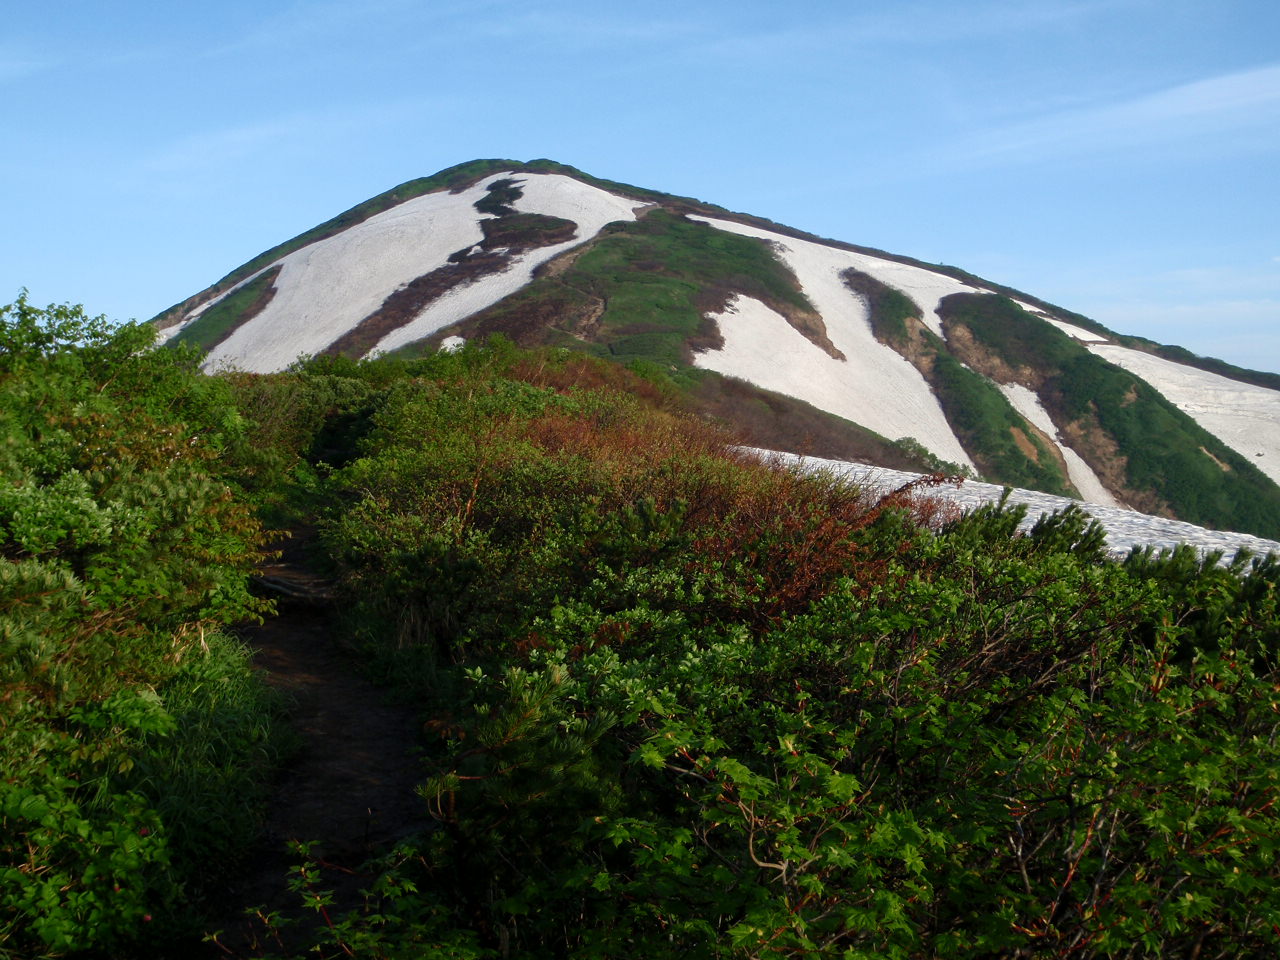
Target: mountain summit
[798,342]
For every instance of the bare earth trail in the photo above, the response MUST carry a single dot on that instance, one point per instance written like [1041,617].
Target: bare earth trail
[349,787]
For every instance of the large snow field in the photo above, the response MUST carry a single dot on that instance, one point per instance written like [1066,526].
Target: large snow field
[328,287]
[875,386]
[925,287]
[550,194]
[1243,416]
[1027,403]
[1125,528]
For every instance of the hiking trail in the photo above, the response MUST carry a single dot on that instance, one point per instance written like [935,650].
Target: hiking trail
[348,787]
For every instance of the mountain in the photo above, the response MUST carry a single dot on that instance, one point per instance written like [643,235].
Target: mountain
[799,343]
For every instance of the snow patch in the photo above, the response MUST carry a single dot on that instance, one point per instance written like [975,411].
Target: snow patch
[452,344]
[326,288]
[1086,337]
[1125,529]
[874,387]
[923,286]
[1243,416]
[1027,403]
[551,194]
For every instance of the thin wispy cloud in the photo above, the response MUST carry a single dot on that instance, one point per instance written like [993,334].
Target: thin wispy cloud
[908,25]
[19,65]
[225,147]
[216,148]
[1234,103]
[323,24]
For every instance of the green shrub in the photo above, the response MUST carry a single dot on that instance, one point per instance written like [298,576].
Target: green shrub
[120,549]
[693,707]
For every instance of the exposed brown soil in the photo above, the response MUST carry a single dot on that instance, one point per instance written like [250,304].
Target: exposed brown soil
[350,785]
[1224,467]
[920,347]
[1050,444]
[985,361]
[1024,444]
[1101,452]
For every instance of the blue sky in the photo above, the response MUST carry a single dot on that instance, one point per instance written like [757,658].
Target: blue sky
[1120,158]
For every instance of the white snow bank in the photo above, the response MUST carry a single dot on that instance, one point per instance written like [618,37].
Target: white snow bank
[1070,329]
[875,387]
[1125,528]
[1026,402]
[452,344]
[1243,416]
[327,287]
[550,194]
[923,286]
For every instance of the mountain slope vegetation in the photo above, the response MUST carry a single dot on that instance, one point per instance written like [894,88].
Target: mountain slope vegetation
[677,703]
[556,257]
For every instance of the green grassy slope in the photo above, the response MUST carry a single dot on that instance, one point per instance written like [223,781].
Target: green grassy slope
[1003,445]
[641,291]
[1168,454]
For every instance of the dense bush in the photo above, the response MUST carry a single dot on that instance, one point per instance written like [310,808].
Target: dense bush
[121,551]
[683,704]
[690,706]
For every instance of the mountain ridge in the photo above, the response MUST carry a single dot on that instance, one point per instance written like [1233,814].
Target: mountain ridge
[979,375]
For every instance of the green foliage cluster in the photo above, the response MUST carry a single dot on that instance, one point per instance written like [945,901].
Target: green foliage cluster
[501,194]
[683,704]
[218,322]
[132,737]
[985,421]
[930,462]
[652,281]
[888,309]
[688,706]
[1181,469]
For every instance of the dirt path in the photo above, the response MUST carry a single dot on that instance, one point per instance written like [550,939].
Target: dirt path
[349,787]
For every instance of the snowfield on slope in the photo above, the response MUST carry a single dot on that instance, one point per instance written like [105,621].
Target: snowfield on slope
[875,386]
[924,287]
[1125,528]
[1027,403]
[326,288]
[550,194]
[1243,416]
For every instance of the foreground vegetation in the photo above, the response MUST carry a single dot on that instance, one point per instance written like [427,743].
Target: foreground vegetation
[681,704]
[133,737]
